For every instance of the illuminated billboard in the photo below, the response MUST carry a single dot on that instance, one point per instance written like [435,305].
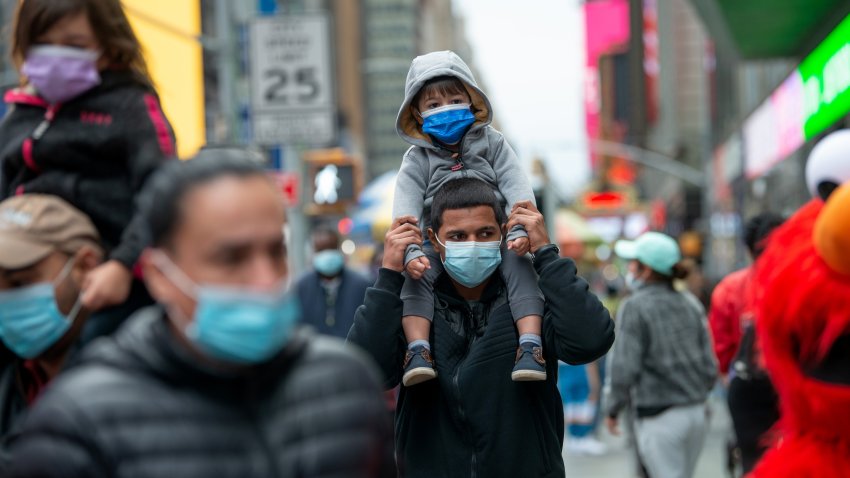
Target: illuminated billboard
[810,100]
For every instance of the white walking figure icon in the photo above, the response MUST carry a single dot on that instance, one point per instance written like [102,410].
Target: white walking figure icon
[327,185]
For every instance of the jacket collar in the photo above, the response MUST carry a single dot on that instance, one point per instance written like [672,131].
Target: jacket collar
[446,290]
[147,344]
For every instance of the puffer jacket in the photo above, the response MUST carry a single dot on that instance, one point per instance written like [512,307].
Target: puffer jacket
[472,420]
[140,405]
[95,151]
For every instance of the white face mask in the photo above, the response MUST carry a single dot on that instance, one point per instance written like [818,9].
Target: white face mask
[632,282]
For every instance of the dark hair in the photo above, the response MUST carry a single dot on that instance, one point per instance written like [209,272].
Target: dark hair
[680,271]
[108,21]
[161,200]
[325,231]
[462,194]
[758,228]
[445,85]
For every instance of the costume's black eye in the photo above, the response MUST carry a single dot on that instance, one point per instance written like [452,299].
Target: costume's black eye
[835,366]
[825,188]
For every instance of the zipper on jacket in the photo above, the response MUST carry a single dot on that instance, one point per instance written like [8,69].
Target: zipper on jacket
[461,411]
[264,444]
[45,123]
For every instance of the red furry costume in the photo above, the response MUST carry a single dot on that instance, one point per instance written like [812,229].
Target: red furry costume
[804,327]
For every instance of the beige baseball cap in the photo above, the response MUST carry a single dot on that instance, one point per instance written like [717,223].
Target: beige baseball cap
[34,225]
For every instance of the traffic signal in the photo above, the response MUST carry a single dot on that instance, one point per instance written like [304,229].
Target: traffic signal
[333,181]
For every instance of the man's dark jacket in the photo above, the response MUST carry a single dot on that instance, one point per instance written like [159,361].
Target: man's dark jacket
[314,303]
[140,405]
[472,420]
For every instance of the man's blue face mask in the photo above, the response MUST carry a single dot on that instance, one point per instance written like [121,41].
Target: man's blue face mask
[233,324]
[329,262]
[470,263]
[30,320]
[448,123]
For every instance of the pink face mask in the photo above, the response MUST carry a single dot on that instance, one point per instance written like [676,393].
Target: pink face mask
[60,73]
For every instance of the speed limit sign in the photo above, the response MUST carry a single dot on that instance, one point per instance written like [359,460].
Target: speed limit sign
[291,81]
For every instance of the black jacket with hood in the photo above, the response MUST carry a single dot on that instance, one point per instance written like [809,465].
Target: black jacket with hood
[472,420]
[140,405]
[95,151]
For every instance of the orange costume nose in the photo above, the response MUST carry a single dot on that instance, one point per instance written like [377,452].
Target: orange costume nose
[832,230]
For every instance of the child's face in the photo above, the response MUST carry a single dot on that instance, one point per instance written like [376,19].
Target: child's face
[435,99]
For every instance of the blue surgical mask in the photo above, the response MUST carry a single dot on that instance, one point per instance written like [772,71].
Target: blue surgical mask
[470,263]
[329,262]
[30,320]
[233,324]
[447,123]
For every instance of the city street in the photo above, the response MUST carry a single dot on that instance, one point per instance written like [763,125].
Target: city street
[619,461]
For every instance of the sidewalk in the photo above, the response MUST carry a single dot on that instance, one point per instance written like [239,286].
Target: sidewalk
[619,461]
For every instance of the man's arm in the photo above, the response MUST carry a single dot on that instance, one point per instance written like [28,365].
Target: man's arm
[576,323]
[377,323]
[725,327]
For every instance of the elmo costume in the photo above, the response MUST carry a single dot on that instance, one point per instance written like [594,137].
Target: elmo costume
[804,323]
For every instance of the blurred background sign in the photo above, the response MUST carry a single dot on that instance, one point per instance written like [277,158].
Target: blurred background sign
[291,80]
[169,32]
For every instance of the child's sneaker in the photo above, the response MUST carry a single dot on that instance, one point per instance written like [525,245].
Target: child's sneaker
[418,366]
[530,365]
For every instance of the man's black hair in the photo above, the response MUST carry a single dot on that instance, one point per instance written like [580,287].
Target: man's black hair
[161,199]
[758,228]
[325,230]
[462,194]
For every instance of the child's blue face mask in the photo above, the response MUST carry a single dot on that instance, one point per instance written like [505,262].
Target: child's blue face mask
[448,123]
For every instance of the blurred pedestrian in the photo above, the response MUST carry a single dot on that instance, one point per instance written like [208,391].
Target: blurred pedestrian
[576,384]
[662,359]
[86,125]
[446,118]
[47,247]
[217,380]
[472,419]
[330,293]
[752,400]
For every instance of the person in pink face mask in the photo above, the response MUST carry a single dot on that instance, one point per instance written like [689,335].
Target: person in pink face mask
[86,125]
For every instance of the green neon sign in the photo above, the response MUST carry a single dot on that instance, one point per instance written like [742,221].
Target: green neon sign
[826,81]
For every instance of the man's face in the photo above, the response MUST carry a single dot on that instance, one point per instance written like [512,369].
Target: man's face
[230,234]
[477,224]
[324,242]
[45,270]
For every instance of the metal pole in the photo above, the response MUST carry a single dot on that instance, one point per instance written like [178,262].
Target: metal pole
[226,76]
[651,159]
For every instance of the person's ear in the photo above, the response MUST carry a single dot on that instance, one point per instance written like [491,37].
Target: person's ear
[417,115]
[160,288]
[85,259]
[432,236]
[643,271]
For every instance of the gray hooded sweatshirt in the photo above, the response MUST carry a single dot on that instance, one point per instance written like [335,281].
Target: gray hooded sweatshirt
[484,152]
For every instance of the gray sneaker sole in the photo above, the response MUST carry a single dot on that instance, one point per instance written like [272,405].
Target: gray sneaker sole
[418,375]
[528,376]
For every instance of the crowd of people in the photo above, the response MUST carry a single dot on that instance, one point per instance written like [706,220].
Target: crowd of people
[151,325]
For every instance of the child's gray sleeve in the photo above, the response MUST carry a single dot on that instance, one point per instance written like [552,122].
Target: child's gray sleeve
[409,196]
[510,178]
